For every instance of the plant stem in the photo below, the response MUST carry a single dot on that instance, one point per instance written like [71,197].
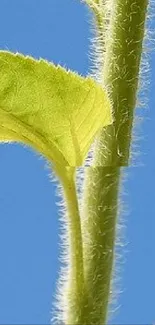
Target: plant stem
[123,48]
[75,293]
[100,197]
[98,218]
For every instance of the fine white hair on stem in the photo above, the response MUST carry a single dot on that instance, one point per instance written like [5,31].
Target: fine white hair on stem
[59,304]
[97,40]
[97,62]
[121,241]
[96,56]
[142,105]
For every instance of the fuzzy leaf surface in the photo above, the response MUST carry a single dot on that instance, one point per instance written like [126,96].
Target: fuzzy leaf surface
[55,111]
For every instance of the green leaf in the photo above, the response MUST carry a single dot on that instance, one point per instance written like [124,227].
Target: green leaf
[55,111]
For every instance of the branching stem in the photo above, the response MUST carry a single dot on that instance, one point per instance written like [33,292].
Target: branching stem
[92,238]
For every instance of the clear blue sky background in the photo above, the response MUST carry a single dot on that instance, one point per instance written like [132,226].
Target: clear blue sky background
[59,31]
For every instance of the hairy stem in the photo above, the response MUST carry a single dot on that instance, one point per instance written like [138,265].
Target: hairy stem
[101,13]
[100,199]
[120,75]
[75,293]
[98,223]
[92,237]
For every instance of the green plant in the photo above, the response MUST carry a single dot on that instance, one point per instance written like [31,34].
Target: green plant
[61,114]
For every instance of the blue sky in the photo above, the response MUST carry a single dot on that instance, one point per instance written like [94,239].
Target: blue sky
[59,31]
